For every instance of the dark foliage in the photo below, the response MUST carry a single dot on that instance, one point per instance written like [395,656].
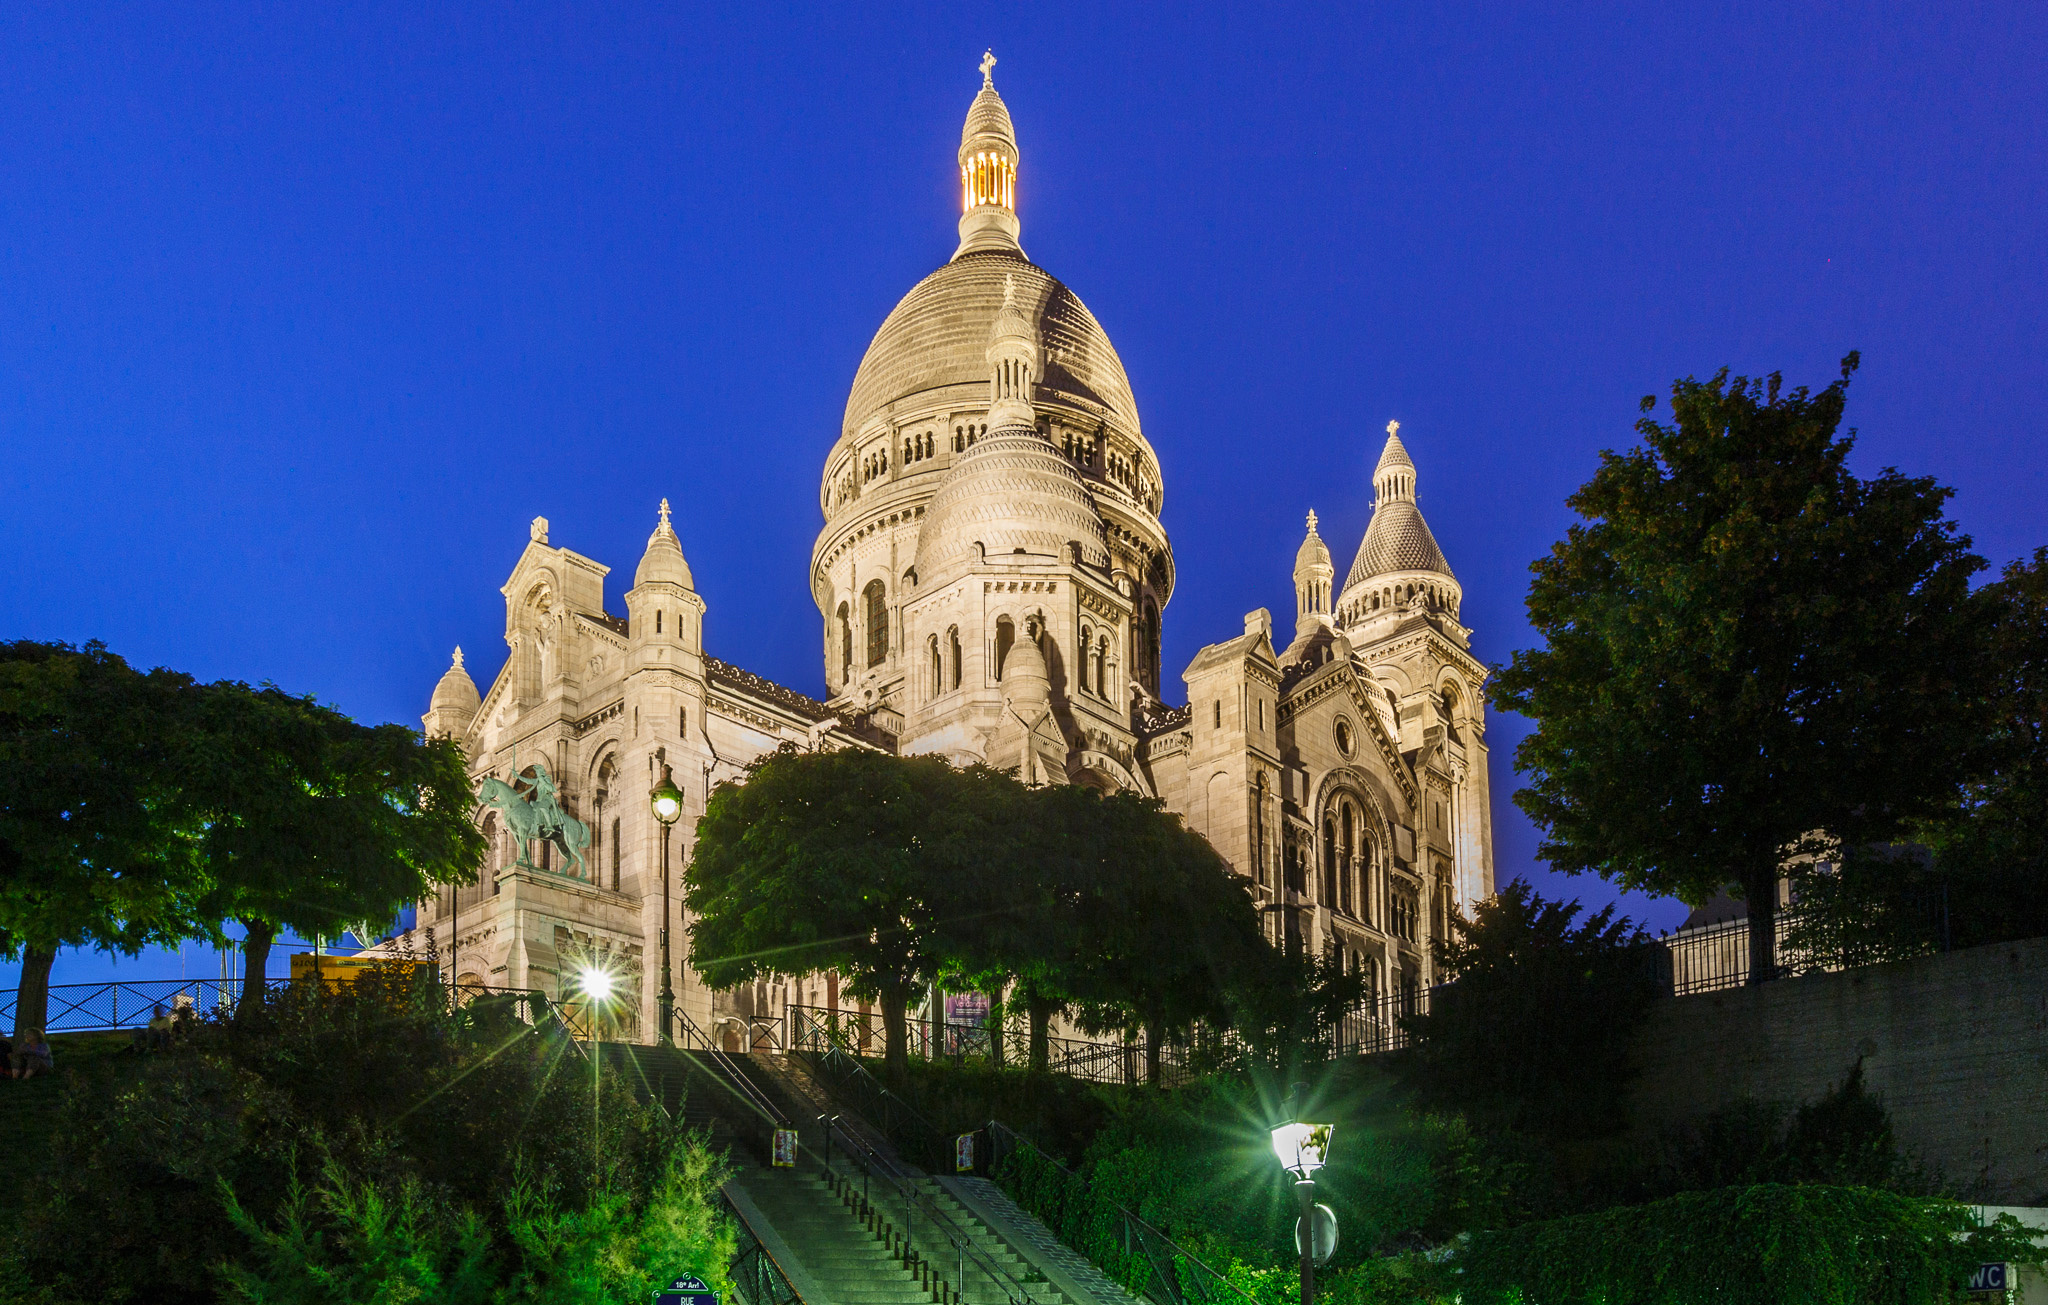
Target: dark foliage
[375,1082]
[1534,1031]
[1749,649]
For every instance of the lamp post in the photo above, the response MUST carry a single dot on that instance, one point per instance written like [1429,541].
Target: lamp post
[596,985]
[1302,1149]
[667,802]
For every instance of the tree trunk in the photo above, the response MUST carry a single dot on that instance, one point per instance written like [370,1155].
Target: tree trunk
[1761,894]
[995,1029]
[1040,1011]
[895,1033]
[32,997]
[1153,1037]
[255,964]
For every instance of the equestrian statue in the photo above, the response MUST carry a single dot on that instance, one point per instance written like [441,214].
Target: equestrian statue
[538,816]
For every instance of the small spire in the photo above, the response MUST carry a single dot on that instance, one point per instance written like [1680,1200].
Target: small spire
[1311,521]
[988,68]
[458,656]
[1009,290]
[1394,428]
[664,511]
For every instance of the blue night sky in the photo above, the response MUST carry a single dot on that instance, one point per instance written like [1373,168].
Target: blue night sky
[305,311]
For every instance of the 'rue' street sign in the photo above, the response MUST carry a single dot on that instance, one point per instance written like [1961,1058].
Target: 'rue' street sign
[687,1291]
[1988,1277]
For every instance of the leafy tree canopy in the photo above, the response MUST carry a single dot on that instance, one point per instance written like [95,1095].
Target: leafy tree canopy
[95,835]
[1748,648]
[1534,1031]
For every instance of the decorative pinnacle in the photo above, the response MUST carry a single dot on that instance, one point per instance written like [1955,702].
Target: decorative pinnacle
[988,65]
[1009,290]
[458,656]
[1311,521]
[664,511]
[1393,428]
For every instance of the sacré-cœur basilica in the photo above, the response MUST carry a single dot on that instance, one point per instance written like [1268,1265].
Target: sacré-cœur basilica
[991,572]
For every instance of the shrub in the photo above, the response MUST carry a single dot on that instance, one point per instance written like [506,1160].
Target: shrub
[1760,1245]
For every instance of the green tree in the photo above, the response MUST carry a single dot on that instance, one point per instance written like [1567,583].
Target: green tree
[834,862]
[94,846]
[1533,1033]
[1169,931]
[314,822]
[1750,651]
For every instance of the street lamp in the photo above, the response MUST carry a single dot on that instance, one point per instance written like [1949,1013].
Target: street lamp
[667,802]
[1303,1148]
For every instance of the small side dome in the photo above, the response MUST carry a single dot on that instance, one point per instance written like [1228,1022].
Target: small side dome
[456,693]
[663,561]
[1313,551]
[1026,682]
[1010,493]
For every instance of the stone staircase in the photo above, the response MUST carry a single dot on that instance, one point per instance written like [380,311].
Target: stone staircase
[833,1256]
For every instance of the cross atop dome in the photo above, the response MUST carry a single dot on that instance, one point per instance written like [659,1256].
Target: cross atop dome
[664,511]
[988,68]
[1311,521]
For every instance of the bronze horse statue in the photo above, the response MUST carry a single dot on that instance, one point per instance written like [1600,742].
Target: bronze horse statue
[540,816]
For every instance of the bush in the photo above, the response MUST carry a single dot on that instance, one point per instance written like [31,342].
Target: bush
[363,1135]
[1534,1032]
[1760,1245]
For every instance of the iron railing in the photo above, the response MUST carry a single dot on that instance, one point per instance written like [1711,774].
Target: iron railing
[860,1034]
[1153,1264]
[757,1277]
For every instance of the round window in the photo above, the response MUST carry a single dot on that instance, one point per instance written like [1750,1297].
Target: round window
[1344,737]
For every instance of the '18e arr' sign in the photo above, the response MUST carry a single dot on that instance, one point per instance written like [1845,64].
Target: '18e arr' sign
[691,1290]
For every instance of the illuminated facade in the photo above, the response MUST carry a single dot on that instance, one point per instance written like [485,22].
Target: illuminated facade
[991,574]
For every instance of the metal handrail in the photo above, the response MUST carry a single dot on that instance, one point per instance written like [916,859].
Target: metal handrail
[874,1165]
[1169,1263]
[757,1275]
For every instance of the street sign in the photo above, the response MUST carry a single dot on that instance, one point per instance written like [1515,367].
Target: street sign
[963,1153]
[784,1155]
[690,1290]
[1990,1277]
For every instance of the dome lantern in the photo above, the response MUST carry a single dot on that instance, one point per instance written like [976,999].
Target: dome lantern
[1313,572]
[988,171]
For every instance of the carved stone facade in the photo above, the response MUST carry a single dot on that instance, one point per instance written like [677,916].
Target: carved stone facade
[991,574]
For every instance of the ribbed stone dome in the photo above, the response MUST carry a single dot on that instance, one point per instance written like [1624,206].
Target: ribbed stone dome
[1012,492]
[1397,540]
[456,692]
[938,336]
[988,122]
[663,560]
[1313,551]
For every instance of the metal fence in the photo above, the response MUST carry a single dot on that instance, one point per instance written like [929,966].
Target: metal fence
[110,1007]
[860,1034]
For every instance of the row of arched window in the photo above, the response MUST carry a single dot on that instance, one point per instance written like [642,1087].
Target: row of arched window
[945,662]
[874,466]
[1435,597]
[1092,661]
[965,436]
[916,448]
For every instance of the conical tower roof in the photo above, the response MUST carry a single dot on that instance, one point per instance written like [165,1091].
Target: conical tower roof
[1398,539]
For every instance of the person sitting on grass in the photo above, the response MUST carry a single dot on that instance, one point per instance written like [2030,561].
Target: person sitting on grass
[160,1029]
[31,1057]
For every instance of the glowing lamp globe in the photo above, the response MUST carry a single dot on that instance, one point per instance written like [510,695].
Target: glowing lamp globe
[1302,1148]
[667,799]
[596,984]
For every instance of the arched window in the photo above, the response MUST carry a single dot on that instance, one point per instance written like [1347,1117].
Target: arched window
[1101,667]
[1329,859]
[938,668]
[876,600]
[845,643]
[615,854]
[1083,659]
[953,652]
[657,620]
[1006,638]
[1345,858]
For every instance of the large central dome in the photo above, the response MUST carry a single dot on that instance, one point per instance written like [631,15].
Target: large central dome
[934,339]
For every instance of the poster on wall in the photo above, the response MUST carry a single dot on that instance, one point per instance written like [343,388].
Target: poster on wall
[963,1153]
[784,1156]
